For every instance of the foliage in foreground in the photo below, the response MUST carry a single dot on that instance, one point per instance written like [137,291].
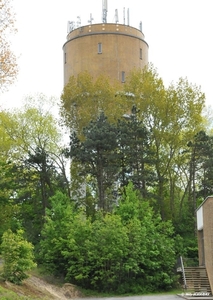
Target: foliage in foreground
[17,255]
[128,250]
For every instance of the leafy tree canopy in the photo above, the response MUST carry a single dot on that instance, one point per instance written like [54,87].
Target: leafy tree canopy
[83,99]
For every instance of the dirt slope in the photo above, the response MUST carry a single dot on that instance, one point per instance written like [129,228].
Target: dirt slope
[37,288]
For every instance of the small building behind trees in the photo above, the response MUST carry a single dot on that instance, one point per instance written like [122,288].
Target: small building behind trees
[205,236]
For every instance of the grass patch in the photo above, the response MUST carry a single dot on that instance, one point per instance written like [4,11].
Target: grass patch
[5,294]
[91,293]
[170,292]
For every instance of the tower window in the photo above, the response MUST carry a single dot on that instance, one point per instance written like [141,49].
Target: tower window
[65,57]
[99,48]
[122,76]
[140,53]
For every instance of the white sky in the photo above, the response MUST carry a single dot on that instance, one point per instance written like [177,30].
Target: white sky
[179,34]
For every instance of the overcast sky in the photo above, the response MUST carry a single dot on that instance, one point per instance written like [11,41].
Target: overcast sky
[179,34]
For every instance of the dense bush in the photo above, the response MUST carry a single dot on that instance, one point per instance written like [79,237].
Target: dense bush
[129,250]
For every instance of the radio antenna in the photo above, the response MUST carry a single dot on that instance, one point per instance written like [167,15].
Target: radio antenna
[124,17]
[91,19]
[128,16]
[78,21]
[70,26]
[116,16]
[104,11]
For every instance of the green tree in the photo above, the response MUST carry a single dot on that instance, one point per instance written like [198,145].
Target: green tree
[97,153]
[8,179]
[9,210]
[135,154]
[55,234]
[151,244]
[18,256]
[105,251]
[196,173]
[83,99]
[172,116]
[33,146]
[200,168]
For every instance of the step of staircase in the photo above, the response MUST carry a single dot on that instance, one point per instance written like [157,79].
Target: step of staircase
[196,298]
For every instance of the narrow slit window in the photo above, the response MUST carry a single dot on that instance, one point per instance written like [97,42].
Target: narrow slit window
[99,48]
[65,58]
[122,76]
[141,53]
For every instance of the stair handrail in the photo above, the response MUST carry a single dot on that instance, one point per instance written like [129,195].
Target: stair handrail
[183,272]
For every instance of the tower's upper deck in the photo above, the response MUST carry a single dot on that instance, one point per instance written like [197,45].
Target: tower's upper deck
[105,28]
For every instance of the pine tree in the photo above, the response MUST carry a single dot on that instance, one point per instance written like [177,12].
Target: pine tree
[98,154]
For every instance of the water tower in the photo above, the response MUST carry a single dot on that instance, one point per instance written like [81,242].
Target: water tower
[113,49]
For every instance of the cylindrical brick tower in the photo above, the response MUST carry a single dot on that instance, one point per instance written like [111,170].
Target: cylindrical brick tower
[109,48]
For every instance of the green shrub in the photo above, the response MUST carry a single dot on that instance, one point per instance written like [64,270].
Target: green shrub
[17,256]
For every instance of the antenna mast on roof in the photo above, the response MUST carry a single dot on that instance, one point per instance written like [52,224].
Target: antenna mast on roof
[124,17]
[104,11]
[91,19]
[70,26]
[116,16]
[128,16]
[78,21]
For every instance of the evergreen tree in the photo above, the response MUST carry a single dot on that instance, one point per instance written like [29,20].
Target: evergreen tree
[98,155]
[201,179]
[135,154]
